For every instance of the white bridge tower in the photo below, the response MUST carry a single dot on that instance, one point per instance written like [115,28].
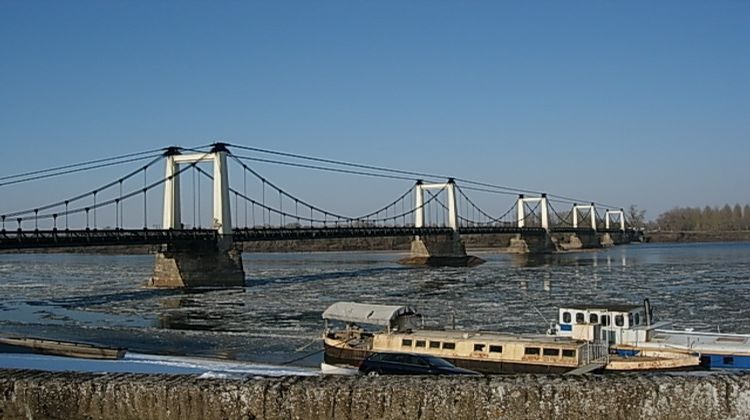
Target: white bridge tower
[222,219]
[592,214]
[521,210]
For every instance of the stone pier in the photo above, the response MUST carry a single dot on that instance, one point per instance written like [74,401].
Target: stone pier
[532,244]
[438,251]
[198,264]
[581,241]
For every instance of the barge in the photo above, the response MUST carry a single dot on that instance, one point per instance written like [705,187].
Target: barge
[487,352]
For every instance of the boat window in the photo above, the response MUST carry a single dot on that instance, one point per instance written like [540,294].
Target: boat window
[496,349]
[619,320]
[478,347]
[605,320]
[630,320]
[419,343]
[434,344]
[637,319]
[551,352]
[531,350]
[449,346]
[406,342]
[740,340]
[566,317]
[569,353]
[593,319]
[580,318]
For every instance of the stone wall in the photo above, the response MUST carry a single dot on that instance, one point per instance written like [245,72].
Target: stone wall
[42,395]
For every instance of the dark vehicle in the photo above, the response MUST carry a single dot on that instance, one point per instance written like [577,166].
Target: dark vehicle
[409,364]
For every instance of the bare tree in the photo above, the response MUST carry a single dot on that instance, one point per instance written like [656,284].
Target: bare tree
[635,216]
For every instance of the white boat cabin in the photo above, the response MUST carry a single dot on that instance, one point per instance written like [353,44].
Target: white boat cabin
[620,324]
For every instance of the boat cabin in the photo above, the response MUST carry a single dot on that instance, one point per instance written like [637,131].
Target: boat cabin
[392,318]
[619,323]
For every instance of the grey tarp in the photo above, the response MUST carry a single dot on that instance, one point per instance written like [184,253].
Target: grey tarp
[366,314]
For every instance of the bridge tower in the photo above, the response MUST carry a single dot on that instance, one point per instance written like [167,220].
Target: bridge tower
[438,250]
[614,236]
[592,214]
[536,241]
[198,263]
[608,218]
[583,236]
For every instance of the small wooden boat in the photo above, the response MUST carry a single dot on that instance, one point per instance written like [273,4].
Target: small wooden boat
[60,348]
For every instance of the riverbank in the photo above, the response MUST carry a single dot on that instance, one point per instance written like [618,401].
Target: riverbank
[36,395]
[698,236]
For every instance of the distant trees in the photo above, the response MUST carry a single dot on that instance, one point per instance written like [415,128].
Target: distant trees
[707,219]
[635,216]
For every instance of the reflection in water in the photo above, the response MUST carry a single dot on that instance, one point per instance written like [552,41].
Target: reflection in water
[546,282]
[575,258]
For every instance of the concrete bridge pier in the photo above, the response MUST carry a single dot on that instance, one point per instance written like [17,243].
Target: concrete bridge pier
[581,240]
[440,251]
[542,243]
[615,238]
[198,264]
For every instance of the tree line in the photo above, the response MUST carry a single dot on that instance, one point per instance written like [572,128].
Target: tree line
[724,218]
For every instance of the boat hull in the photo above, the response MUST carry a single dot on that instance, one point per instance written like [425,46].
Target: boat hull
[353,357]
[725,361]
[637,364]
[60,348]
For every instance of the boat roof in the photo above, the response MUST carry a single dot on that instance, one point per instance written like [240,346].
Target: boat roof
[367,313]
[703,342]
[612,307]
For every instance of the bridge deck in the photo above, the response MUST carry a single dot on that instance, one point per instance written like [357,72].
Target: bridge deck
[24,239]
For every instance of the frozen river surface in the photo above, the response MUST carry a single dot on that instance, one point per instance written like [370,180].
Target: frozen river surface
[276,317]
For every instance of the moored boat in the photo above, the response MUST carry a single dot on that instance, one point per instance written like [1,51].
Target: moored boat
[60,348]
[483,351]
[632,330]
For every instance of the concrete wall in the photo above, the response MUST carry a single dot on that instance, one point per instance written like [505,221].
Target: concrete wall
[37,395]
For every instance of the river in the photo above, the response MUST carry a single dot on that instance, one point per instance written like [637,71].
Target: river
[276,317]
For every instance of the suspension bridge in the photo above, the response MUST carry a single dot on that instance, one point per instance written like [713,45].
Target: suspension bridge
[435,210]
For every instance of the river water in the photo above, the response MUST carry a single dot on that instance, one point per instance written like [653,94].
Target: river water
[276,317]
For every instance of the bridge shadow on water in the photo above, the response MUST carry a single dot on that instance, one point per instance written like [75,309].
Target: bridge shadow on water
[109,298]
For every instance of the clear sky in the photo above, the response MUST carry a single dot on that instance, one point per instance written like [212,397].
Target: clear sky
[629,102]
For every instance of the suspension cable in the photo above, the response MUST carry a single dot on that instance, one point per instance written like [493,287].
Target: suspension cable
[78,165]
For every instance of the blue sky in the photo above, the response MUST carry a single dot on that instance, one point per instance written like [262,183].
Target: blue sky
[621,102]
